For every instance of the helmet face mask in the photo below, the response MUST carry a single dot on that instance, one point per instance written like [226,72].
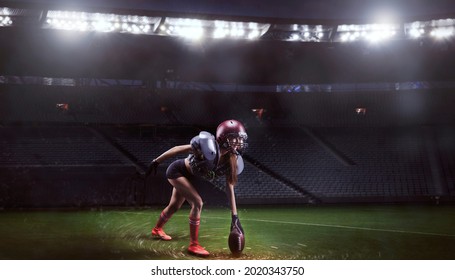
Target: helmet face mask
[231,135]
[236,143]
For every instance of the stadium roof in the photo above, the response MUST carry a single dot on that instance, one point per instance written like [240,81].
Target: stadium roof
[288,9]
[111,40]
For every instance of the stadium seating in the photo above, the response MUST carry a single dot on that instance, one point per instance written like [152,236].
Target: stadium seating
[50,145]
[306,146]
[385,163]
[445,139]
[283,165]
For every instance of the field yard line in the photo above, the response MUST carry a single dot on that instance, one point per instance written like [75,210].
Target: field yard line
[327,225]
[345,227]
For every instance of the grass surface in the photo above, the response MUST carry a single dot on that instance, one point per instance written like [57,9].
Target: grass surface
[388,232]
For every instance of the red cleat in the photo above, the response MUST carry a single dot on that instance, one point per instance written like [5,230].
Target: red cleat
[198,250]
[159,233]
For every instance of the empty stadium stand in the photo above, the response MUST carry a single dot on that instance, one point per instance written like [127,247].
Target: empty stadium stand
[307,148]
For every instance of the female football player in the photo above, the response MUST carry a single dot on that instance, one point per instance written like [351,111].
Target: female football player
[209,157]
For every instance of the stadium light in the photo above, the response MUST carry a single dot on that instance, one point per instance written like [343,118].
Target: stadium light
[193,28]
[439,28]
[216,29]
[300,32]
[369,32]
[441,33]
[83,21]
[310,33]
[5,17]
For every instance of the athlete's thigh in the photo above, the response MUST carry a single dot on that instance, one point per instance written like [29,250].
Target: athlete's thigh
[185,189]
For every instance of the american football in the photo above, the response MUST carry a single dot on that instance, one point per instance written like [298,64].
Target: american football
[236,242]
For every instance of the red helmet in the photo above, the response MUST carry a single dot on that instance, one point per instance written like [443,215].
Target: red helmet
[232,134]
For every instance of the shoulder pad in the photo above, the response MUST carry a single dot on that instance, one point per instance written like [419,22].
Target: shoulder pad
[205,134]
[205,144]
[195,144]
[240,164]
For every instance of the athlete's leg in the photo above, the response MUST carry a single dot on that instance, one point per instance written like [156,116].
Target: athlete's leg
[174,205]
[187,190]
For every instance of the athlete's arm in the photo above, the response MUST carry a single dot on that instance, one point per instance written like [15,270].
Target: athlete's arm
[168,154]
[173,152]
[235,222]
[231,197]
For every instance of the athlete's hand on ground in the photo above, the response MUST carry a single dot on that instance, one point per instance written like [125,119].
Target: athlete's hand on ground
[152,168]
[235,223]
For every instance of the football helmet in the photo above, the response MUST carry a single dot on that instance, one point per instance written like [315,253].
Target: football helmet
[231,135]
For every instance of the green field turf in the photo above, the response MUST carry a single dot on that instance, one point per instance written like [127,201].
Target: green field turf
[377,232]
